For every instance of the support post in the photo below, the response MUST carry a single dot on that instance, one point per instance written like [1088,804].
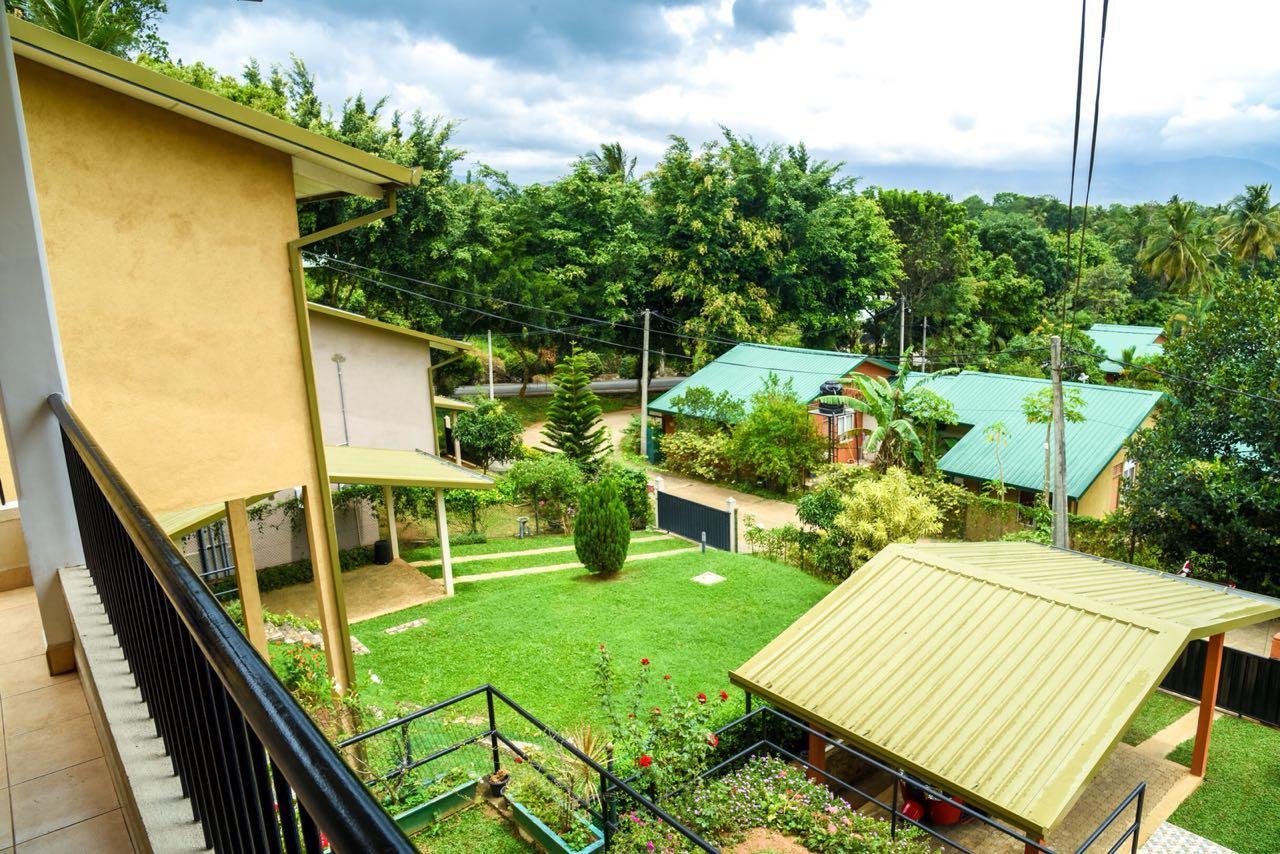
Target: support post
[327,579]
[246,574]
[1208,700]
[644,390]
[31,370]
[817,757]
[1061,536]
[489,338]
[393,536]
[442,532]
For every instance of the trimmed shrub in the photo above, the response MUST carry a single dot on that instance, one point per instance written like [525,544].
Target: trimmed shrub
[603,529]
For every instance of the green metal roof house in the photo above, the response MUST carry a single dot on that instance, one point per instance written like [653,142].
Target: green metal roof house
[1095,446]
[1115,338]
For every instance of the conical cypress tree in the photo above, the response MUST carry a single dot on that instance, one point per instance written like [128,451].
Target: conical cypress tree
[602,531]
[573,419]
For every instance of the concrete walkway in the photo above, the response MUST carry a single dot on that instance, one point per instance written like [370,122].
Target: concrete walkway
[616,422]
[523,552]
[537,570]
[370,591]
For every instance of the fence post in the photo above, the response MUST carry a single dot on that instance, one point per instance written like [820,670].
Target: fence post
[493,732]
[658,483]
[605,816]
[733,523]
[704,542]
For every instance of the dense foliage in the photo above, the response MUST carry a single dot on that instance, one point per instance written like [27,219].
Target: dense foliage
[488,434]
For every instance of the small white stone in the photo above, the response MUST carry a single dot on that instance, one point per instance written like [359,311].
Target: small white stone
[708,578]
[404,627]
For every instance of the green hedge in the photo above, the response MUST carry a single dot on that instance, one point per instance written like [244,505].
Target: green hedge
[298,572]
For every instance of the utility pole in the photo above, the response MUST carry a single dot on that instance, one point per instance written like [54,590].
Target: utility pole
[924,347]
[902,327]
[644,389]
[489,335]
[1061,536]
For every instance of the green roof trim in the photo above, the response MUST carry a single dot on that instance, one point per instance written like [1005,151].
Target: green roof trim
[1115,338]
[1111,415]
[743,370]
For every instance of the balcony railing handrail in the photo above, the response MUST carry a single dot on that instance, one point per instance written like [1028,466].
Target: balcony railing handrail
[347,814]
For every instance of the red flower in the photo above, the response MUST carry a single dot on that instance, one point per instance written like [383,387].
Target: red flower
[519,760]
[666,676]
[645,662]
[702,698]
[646,760]
[655,710]
[723,696]
[713,739]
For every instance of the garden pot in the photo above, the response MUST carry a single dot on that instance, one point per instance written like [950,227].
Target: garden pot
[944,813]
[546,838]
[441,806]
[913,810]
[496,786]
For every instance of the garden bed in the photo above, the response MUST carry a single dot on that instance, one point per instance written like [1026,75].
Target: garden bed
[437,808]
[546,838]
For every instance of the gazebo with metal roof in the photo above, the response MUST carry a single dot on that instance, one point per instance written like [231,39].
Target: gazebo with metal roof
[1003,673]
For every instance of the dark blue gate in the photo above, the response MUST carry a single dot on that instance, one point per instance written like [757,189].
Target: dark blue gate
[1249,684]
[692,520]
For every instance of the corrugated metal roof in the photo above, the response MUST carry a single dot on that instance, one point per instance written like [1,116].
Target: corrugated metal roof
[437,341]
[1115,338]
[179,523]
[322,166]
[1003,673]
[390,467]
[451,403]
[743,370]
[1111,415]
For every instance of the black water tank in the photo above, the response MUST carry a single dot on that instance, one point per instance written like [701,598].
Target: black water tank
[828,388]
[382,552]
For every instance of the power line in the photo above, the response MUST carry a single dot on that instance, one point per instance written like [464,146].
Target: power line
[1075,151]
[1179,378]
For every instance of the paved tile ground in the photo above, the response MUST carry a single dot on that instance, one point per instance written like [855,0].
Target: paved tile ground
[370,591]
[1171,839]
[56,793]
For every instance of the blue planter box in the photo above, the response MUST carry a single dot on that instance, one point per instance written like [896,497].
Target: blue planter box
[441,806]
[546,838]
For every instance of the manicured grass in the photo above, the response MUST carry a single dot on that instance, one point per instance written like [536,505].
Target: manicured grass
[533,409]
[478,567]
[498,545]
[1156,714]
[536,637]
[1236,806]
[471,830]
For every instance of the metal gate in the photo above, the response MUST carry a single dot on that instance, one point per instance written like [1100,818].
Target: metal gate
[1249,684]
[695,521]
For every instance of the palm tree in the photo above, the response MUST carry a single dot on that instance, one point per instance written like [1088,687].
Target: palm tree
[896,407]
[1178,247]
[1250,229]
[612,160]
[92,22]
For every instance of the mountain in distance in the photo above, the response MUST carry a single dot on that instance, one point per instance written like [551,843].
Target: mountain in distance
[1208,180]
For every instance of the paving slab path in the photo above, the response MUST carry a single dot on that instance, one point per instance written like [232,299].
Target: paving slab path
[523,552]
[555,567]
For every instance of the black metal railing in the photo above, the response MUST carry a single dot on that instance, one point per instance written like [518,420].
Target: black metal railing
[419,739]
[258,773]
[779,729]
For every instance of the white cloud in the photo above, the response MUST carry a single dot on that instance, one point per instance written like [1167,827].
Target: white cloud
[982,84]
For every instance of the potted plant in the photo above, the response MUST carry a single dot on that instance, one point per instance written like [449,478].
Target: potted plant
[497,782]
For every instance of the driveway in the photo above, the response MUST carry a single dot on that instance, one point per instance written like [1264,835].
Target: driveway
[615,421]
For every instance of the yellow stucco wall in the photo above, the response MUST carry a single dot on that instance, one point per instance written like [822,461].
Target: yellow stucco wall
[7,484]
[1100,498]
[166,246]
[384,384]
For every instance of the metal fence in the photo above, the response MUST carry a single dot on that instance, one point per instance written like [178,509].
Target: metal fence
[257,773]
[698,522]
[1249,684]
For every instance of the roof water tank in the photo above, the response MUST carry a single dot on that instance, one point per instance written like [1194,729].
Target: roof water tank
[828,388]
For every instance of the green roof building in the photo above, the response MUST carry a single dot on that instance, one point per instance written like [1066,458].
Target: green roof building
[1115,338]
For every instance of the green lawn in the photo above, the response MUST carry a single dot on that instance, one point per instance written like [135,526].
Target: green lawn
[478,567]
[473,829]
[498,545]
[535,637]
[1157,713]
[533,409]
[1237,805]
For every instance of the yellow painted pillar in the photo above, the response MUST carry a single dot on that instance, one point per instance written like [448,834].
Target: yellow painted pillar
[246,574]
[389,500]
[442,531]
[327,579]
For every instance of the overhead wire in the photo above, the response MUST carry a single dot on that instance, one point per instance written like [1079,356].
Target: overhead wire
[1075,151]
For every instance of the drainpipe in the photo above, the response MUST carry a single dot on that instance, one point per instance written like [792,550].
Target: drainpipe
[333,607]
[338,359]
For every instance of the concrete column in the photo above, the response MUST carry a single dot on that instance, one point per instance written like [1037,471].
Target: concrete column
[31,369]
[393,536]
[246,574]
[1208,700]
[442,531]
[327,580]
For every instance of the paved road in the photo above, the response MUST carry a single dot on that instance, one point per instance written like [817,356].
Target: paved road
[615,421]
[657,385]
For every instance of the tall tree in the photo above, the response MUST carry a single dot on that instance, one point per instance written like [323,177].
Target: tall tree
[1178,247]
[1250,228]
[611,161]
[121,27]
[573,424]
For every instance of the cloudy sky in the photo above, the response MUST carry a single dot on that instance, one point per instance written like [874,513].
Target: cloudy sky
[958,95]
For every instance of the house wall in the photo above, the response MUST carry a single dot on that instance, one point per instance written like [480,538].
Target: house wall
[1102,495]
[166,244]
[8,486]
[384,384]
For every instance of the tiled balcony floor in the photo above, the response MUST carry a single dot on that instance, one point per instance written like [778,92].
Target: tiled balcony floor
[55,789]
